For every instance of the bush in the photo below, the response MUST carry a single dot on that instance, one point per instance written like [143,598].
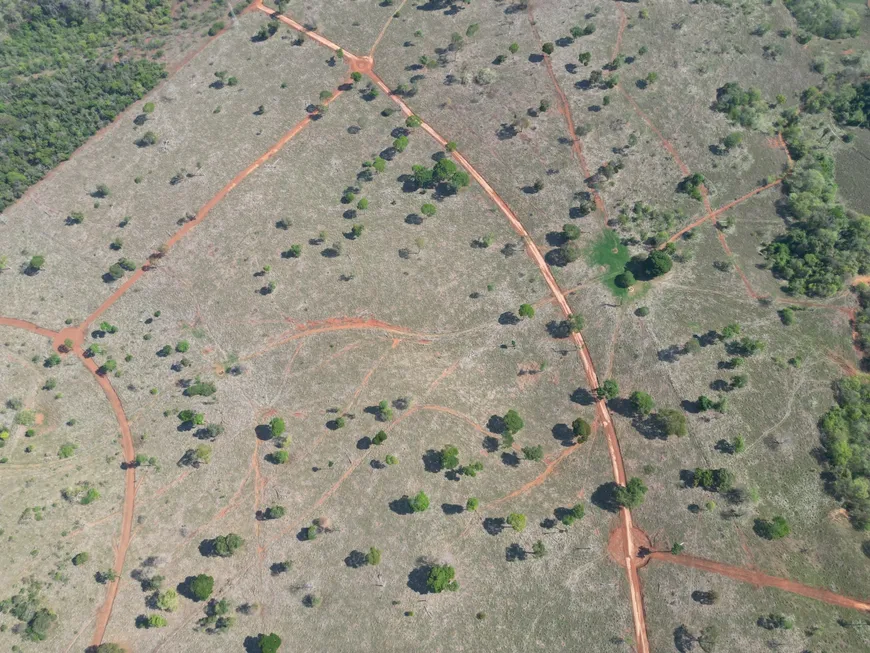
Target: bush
[201,587]
[268,643]
[419,502]
[772,529]
[631,495]
[581,429]
[658,263]
[80,558]
[624,279]
[441,577]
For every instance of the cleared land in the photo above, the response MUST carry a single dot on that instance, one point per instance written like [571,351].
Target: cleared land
[288,262]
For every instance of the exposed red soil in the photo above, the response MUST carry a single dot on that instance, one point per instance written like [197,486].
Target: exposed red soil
[27,326]
[623,22]
[619,551]
[760,579]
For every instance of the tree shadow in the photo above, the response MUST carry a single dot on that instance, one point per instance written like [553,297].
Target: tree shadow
[650,427]
[413,218]
[401,506]
[355,559]
[690,406]
[670,354]
[564,434]
[556,258]
[495,424]
[559,330]
[418,577]
[432,461]
[514,553]
[183,588]
[364,443]
[263,431]
[510,458]
[493,525]
[583,397]
[452,508]
[490,444]
[605,497]
[536,58]
[621,406]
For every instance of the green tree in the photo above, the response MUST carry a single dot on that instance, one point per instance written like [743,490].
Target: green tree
[548,48]
[535,454]
[513,423]
[732,140]
[268,643]
[167,600]
[441,578]
[428,210]
[624,279]
[201,587]
[608,390]
[517,521]
[631,495]
[227,545]
[526,310]
[80,558]
[641,402]
[276,427]
[379,438]
[582,429]
[472,504]
[658,263]
[672,421]
[419,502]
[571,231]
[576,513]
[373,557]
[772,529]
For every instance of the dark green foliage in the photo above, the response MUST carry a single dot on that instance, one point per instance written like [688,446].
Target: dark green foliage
[608,390]
[829,19]
[535,453]
[80,558]
[823,243]
[630,495]
[742,107]
[513,423]
[268,643]
[658,263]
[846,442]
[379,438]
[419,502]
[581,429]
[713,480]
[68,107]
[227,545]
[624,279]
[574,514]
[671,421]
[201,587]
[691,185]
[771,529]
[274,512]
[641,402]
[441,577]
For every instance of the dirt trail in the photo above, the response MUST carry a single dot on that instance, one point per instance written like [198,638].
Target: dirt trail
[535,482]
[331,325]
[105,610]
[684,169]
[760,579]
[565,110]
[623,22]
[204,211]
[27,326]
[713,215]
[387,24]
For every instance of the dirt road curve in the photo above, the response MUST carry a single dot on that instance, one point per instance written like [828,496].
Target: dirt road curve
[762,580]
[364,65]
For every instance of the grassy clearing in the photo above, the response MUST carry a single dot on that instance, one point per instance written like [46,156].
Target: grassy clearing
[609,252]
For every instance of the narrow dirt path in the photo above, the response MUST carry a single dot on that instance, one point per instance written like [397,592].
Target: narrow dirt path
[565,110]
[714,215]
[204,211]
[387,24]
[760,579]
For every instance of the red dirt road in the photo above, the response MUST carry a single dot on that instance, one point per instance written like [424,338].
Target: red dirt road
[760,579]
[27,326]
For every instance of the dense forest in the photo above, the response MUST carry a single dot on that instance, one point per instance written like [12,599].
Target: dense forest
[847,445]
[58,84]
[828,19]
[825,243]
